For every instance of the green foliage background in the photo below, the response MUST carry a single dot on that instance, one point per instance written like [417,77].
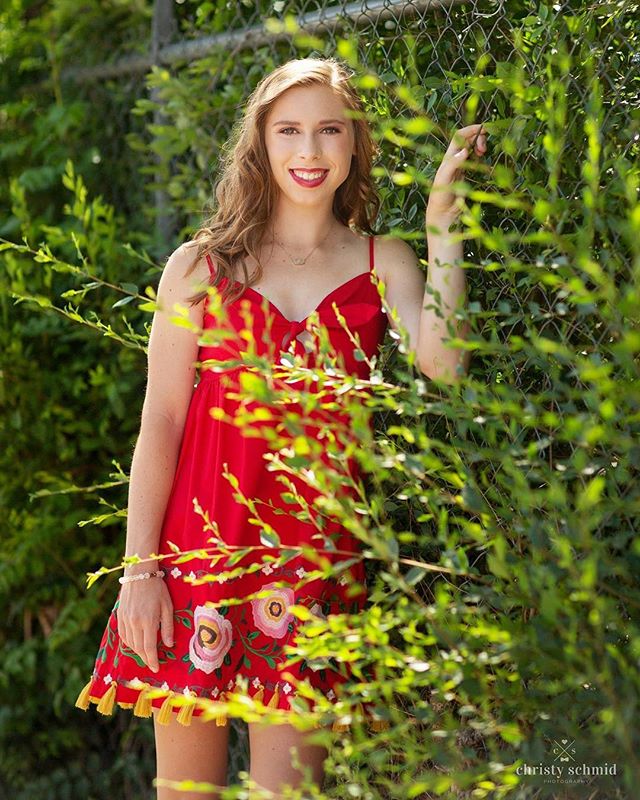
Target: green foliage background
[500,528]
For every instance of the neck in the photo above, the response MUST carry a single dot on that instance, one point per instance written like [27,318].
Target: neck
[301,228]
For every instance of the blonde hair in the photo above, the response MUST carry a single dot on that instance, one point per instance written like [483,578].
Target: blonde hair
[246,191]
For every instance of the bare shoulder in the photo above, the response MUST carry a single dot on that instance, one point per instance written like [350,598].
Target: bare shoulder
[397,266]
[178,279]
[396,260]
[173,348]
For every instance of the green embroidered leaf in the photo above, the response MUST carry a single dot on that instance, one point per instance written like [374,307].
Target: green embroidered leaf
[253,634]
[185,657]
[270,661]
[227,659]
[218,673]
[247,663]
[171,655]
[191,669]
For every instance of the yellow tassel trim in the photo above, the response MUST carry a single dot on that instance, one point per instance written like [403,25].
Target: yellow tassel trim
[273,703]
[143,708]
[143,704]
[259,694]
[164,717]
[105,706]
[83,701]
[185,714]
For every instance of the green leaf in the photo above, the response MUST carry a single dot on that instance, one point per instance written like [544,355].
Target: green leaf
[123,301]
[269,538]
[415,575]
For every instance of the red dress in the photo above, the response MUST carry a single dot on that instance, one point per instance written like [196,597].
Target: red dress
[223,648]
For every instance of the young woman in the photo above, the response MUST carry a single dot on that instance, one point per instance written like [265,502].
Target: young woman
[295,205]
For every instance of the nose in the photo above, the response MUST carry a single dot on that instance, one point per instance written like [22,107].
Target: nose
[310,146]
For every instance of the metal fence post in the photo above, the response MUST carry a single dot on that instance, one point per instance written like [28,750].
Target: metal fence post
[163,29]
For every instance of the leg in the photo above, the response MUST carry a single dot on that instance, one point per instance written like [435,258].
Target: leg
[198,752]
[272,761]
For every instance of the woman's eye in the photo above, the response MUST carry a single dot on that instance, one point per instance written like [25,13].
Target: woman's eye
[329,128]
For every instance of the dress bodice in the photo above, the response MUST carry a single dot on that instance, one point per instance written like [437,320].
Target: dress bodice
[357,301]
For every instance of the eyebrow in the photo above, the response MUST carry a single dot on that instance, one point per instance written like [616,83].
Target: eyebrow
[322,122]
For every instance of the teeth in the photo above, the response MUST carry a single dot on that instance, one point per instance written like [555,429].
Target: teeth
[308,176]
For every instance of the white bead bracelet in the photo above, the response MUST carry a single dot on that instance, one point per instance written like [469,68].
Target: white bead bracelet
[141,576]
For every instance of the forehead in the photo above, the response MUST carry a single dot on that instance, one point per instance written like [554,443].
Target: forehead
[308,103]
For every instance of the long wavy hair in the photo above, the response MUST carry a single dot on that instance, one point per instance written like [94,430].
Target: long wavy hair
[246,191]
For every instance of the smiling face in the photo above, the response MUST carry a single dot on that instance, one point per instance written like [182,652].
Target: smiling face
[307,132]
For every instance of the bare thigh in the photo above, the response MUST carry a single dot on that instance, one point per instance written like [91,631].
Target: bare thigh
[272,761]
[198,752]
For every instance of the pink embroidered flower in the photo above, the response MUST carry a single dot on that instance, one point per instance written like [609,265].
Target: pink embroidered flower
[211,640]
[270,613]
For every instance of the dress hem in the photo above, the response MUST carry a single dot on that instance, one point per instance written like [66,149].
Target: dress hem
[188,707]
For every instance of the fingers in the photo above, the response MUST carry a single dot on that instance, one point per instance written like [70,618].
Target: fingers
[140,637]
[123,632]
[150,637]
[467,139]
[166,624]
[142,641]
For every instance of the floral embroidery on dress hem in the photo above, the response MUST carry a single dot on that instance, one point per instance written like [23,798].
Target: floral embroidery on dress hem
[186,702]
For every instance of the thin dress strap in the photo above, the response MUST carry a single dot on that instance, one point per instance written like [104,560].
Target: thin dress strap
[371,254]
[210,263]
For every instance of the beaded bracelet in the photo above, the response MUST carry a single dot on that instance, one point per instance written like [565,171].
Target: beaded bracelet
[141,576]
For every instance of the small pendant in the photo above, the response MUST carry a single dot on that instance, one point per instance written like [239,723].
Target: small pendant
[299,260]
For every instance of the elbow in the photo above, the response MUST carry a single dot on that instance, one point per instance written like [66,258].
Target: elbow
[446,373]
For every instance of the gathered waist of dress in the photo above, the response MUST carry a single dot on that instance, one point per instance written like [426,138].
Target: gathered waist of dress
[211,374]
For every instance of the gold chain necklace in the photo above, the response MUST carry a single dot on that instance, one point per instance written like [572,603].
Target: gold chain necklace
[297,260]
